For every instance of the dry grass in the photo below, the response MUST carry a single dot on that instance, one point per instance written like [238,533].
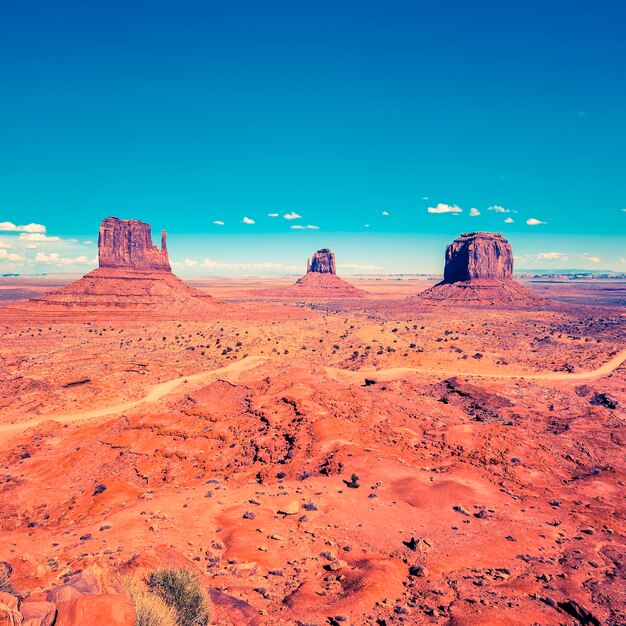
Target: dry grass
[182,590]
[150,609]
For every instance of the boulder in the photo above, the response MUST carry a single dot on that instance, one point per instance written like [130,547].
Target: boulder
[90,610]
[128,243]
[9,614]
[8,600]
[38,613]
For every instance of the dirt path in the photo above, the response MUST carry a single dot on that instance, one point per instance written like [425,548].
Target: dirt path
[230,372]
[398,372]
[233,370]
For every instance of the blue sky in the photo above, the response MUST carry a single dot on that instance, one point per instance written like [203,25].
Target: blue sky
[346,114]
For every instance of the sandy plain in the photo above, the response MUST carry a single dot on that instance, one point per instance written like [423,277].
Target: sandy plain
[488,445]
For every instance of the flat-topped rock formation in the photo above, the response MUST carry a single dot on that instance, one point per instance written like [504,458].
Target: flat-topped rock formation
[319,282]
[128,243]
[323,262]
[133,275]
[479,271]
[476,256]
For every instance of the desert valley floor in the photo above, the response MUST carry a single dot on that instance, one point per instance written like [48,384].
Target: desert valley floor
[488,447]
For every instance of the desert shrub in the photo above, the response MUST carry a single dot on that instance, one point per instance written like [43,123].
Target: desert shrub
[150,608]
[182,590]
[354,482]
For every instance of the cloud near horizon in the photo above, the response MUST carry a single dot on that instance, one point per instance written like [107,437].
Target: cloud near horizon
[37,237]
[55,258]
[10,227]
[5,255]
[534,222]
[307,227]
[551,256]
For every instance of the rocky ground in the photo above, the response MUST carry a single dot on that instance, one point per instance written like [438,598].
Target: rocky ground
[347,462]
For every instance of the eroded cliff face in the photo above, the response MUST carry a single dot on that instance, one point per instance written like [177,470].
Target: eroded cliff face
[323,262]
[128,243]
[476,256]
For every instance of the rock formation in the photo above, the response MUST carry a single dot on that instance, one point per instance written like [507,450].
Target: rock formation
[478,255]
[323,262]
[479,272]
[319,282]
[128,243]
[133,275]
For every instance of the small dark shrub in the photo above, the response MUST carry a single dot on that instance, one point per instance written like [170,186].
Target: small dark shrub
[353,483]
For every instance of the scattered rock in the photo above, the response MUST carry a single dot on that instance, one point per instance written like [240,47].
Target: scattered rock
[290,509]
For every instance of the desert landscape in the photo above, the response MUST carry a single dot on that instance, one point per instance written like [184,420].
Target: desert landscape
[356,450]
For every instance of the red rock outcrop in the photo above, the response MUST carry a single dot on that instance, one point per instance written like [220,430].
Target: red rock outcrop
[479,272]
[114,610]
[134,275]
[319,282]
[323,262]
[128,243]
[478,256]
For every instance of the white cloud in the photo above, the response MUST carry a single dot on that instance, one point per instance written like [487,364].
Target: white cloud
[385,213]
[87,243]
[5,244]
[359,266]
[622,260]
[509,220]
[307,227]
[425,198]
[26,228]
[247,220]
[292,216]
[219,222]
[534,222]
[32,246]
[498,209]
[445,208]
[9,256]
[552,256]
[37,237]
[590,257]
[190,263]
[474,212]
[273,215]
[56,259]
[210,264]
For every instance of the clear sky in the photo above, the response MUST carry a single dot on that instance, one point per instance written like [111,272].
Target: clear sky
[358,117]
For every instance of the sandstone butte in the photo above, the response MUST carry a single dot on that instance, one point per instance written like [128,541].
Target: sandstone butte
[133,275]
[128,244]
[319,282]
[479,272]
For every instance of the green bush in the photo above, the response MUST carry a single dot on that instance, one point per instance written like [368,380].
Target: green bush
[182,590]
